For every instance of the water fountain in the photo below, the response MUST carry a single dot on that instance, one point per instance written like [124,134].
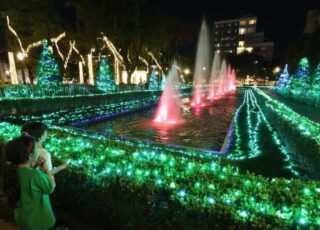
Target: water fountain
[168,110]
[215,69]
[222,78]
[202,66]
[232,82]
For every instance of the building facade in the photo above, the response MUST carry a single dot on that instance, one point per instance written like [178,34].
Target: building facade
[235,36]
[313,21]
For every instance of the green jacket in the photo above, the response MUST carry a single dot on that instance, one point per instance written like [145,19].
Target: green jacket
[34,210]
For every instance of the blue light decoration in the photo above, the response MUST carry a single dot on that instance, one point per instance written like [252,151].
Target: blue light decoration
[302,76]
[284,78]
[316,78]
[163,81]
[48,69]
[153,84]
[105,79]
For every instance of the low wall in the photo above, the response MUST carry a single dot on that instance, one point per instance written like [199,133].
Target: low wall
[49,104]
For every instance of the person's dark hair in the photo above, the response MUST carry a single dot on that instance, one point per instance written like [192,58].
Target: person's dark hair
[34,129]
[16,152]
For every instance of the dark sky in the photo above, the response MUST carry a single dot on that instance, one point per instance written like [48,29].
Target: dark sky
[280,23]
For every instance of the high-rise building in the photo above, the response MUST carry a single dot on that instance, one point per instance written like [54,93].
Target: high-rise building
[236,36]
[313,21]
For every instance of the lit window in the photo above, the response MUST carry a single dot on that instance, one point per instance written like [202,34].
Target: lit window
[241,43]
[249,49]
[243,23]
[240,50]
[250,30]
[242,31]
[252,21]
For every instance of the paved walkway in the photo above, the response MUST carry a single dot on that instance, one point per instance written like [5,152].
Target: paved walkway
[305,110]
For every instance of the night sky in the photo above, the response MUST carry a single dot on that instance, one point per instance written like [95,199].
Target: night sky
[281,24]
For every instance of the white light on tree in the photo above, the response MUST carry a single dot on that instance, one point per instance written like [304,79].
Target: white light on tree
[77,51]
[139,76]
[145,62]
[90,69]
[155,60]
[80,73]
[15,34]
[39,43]
[124,77]
[118,59]
[69,54]
[13,72]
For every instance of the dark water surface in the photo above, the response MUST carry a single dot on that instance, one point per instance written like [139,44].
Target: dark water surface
[203,128]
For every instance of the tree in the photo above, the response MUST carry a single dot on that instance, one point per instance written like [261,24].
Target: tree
[48,69]
[134,26]
[306,45]
[284,78]
[105,79]
[153,84]
[163,81]
[316,77]
[302,76]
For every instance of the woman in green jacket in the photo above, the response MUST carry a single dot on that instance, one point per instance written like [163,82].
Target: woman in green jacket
[26,188]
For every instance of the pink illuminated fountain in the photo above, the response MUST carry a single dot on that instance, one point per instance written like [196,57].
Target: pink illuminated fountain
[223,77]
[232,85]
[201,67]
[215,69]
[168,111]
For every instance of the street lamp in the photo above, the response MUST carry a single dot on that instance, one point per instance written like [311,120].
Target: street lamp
[276,70]
[20,56]
[186,71]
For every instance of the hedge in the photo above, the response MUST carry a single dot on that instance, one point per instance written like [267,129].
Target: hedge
[117,184]
[302,136]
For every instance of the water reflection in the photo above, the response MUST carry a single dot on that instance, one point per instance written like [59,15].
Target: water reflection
[203,128]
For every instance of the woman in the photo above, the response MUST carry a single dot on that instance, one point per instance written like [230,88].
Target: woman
[39,132]
[26,188]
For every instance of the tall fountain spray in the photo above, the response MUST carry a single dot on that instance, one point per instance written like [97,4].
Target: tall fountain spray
[168,110]
[233,80]
[228,78]
[202,65]
[222,78]
[215,70]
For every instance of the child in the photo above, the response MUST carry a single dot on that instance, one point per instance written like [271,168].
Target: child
[38,131]
[26,188]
